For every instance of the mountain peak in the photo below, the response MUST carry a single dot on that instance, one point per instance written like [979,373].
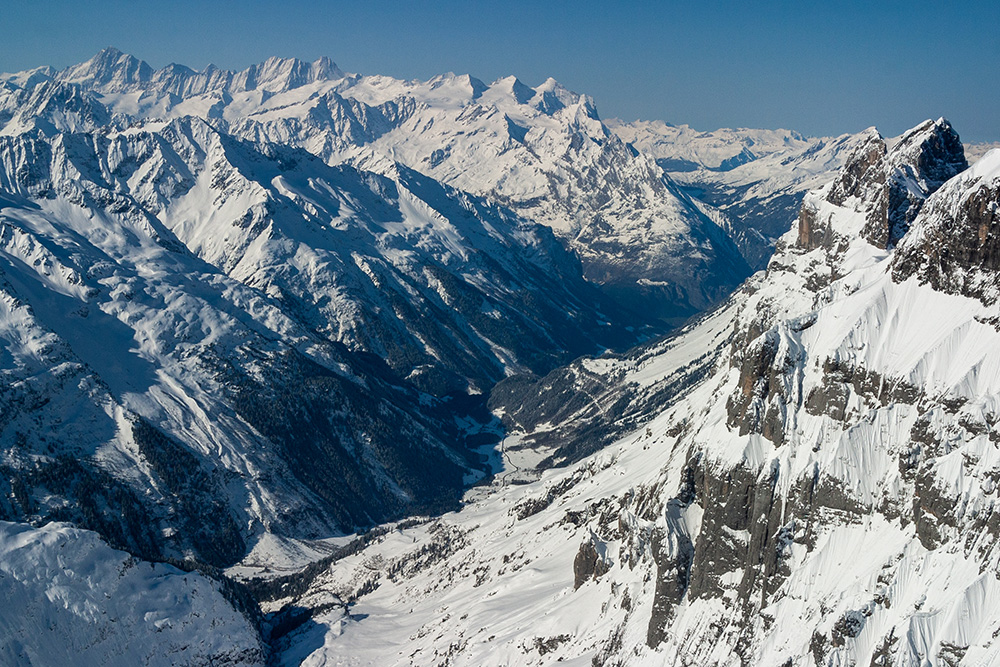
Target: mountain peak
[108,53]
[889,180]
[109,69]
[282,74]
[324,68]
[30,78]
[514,87]
[551,96]
[916,165]
[862,171]
[935,148]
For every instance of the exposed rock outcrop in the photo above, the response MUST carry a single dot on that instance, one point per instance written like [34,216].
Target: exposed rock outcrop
[955,247]
[591,561]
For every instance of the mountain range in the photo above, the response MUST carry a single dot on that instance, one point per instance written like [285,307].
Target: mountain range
[304,364]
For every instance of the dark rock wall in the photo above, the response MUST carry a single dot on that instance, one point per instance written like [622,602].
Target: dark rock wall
[958,253]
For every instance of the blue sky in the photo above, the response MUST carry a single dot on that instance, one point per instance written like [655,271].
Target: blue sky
[820,68]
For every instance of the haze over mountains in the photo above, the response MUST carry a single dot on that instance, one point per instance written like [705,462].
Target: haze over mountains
[246,315]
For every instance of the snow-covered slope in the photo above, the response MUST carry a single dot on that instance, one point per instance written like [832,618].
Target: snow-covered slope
[824,493]
[542,152]
[69,599]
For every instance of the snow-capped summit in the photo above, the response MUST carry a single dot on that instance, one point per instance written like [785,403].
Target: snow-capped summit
[29,78]
[109,70]
[551,96]
[514,88]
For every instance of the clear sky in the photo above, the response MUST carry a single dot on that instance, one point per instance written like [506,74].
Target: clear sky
[822,68]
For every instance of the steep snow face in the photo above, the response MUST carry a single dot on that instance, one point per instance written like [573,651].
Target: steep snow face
[542,152]
[70,599]
[825,491]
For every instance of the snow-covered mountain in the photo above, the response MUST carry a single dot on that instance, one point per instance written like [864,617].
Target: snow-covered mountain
[69,599]
[218,349]
[186,314]
[753,180]
[542,152]
[806,475]
[679,148]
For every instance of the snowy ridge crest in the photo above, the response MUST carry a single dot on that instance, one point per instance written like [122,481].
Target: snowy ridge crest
[111,71]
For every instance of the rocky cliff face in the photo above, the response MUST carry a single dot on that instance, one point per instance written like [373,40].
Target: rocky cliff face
[954,247]
[890,187]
